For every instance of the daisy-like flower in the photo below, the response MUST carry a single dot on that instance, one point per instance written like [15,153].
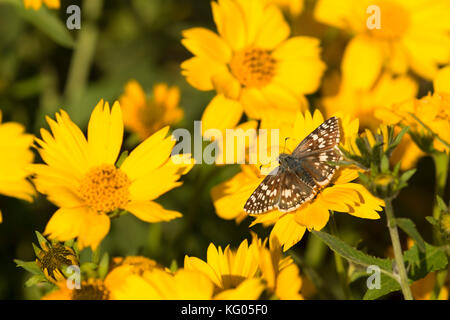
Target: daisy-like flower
[81,177]
[398,35]
[362,104]
[15,157]
[431,112]
[233,272]
[342,195]
[281,274]
[36,4]
[145,116]
[119,284]
[251,60]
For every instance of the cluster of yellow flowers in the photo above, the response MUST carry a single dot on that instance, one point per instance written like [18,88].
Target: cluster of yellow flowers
[261,73]
[248,273]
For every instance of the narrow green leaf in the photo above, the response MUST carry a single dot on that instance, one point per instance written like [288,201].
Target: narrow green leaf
[41,239]
[30,266]
[407,175]
[408,226]
[352,254]
[432,221]
[37,278]
[441,204]
[45,21]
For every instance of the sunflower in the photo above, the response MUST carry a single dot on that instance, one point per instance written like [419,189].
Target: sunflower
[251,60]
[362,104]
[281,274]
[81,176]
[36,4]
[411,35]
[15,157]
[233,272]
[342,195]
[119,284]
[429,113]
[146,116]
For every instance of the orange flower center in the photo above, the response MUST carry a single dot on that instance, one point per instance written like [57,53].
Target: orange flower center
[105,188]
[394,21]
[253,67]
[91,290]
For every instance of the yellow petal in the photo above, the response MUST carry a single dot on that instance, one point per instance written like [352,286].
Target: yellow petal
[221,114]
[150,211]
[206,44]
[287,231]
[105,133]
[192,285]
[362,62]
[199,72]
[442,81]
[96,227]
[289,283]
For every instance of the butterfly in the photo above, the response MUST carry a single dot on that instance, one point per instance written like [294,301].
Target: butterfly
[300,175]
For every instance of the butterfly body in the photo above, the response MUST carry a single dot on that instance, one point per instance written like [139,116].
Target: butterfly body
[301,174]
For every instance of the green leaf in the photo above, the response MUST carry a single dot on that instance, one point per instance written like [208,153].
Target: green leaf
[408,226]
[407,175]
[418,265]
[35,279]
[352,254]
[122,158]
[45,21]
[432,221]
[103,266]
[387,285]
[441,204]
[41,239]
[30,266]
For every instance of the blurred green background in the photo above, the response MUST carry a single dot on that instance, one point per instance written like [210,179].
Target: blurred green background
[140,39]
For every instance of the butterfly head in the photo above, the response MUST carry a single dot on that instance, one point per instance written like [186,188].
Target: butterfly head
[282,158]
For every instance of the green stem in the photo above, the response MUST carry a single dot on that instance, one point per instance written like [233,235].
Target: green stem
[84,52]
[339,262]
[393,231]
[441,162]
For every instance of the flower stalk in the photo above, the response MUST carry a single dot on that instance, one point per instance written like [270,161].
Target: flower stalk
[393,231]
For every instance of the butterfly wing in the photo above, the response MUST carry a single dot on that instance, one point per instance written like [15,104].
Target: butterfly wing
[293,192]
[317,166]
[266,195]
[324,137]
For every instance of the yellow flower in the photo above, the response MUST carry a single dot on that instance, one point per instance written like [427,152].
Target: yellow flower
[15,156]
[342,195]
[422,289]
[119,284]
[361,104]
[146,116]
[182,285]
[281,274]
[405,35]
[233,272]
[81,177]
[251,60]
[36,4]
[138,264]
[432,110]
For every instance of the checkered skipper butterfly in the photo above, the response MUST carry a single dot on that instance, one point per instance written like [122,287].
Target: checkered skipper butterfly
[301,174]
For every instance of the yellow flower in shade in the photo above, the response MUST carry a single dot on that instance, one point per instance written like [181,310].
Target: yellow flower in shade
[233,272]
[281,274]
[119,284]
[81,177]
[138,264]
[397,35]
[342,195]
[422,289]
[251,60]
[145,116]
[15,156]
[293,7]
[36,4]
[362,104]
[431,112]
